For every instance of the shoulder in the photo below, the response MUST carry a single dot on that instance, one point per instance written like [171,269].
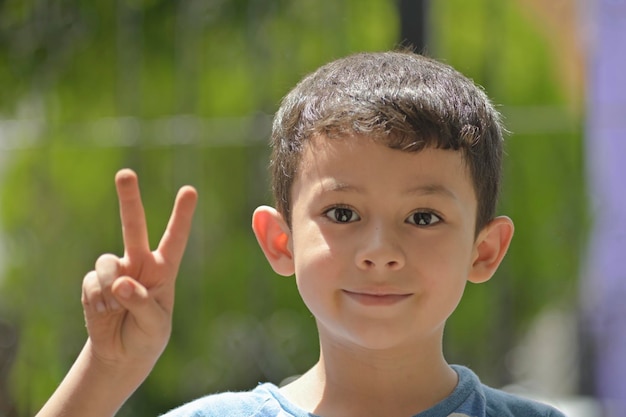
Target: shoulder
[480,399]
[500,403]
[256,403]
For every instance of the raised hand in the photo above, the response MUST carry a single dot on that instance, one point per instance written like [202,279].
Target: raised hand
[128,301]
[128,306]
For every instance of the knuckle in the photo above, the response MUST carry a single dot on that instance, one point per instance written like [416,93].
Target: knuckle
[91,297]
[91,288]
[107,268]
[89,280]
[106,260]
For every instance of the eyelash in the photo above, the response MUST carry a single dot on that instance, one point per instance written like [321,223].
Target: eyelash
[421,213]
[336,209]
[347,213]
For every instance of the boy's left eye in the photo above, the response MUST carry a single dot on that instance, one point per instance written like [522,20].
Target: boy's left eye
[423,218]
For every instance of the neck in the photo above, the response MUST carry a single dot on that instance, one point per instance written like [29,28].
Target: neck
[352,381]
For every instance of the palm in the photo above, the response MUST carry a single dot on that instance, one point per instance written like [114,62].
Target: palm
[128,334]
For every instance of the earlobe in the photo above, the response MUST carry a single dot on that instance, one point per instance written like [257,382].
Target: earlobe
[274,237]
[491,245]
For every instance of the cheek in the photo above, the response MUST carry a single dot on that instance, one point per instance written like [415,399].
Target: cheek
[316,280]
[314,259]
[447,259]
[318,264]
[443,271]
[315,248]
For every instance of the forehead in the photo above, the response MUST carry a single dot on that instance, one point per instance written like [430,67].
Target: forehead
[359,163]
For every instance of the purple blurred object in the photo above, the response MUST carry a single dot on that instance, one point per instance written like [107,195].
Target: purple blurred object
[604,283]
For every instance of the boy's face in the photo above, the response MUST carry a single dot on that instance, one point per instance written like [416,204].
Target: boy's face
[383,241]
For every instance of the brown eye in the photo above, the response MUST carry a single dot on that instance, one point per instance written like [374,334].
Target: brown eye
[423,218]
[342,215]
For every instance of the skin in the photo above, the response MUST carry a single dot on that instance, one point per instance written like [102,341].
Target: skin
[382,245]
[128,303]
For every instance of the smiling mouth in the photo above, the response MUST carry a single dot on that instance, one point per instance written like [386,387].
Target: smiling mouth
[368,299]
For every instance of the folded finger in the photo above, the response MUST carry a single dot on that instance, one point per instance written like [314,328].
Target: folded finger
[148,314]
[107,271]
[91,297]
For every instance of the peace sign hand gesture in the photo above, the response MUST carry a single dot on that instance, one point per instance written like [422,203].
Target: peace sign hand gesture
[128,306]
[128,301]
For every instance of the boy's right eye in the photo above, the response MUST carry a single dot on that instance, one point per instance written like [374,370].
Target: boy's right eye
[342,215]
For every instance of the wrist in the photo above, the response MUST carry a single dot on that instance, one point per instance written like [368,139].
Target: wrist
[126,368]
[95,386]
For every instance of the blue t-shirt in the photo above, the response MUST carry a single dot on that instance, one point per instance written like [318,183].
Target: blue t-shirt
[469,399]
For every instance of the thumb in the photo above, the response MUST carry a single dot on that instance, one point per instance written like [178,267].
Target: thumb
[135,298]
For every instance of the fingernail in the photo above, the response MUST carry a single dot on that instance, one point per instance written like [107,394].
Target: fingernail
[100,308]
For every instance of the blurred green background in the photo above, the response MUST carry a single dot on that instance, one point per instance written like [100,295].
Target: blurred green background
[183,92]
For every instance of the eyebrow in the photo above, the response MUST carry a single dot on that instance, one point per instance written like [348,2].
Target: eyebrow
[432,189]
[422,189]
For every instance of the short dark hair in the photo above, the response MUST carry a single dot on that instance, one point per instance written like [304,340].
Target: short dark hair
[402,99]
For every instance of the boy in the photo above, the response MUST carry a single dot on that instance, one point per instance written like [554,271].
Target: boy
[386,170]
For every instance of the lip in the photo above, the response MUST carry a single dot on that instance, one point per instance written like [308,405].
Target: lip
[377,298]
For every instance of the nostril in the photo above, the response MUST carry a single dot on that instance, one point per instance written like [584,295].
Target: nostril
[396,264]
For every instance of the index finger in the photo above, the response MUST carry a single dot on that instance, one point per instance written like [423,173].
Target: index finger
[132,215]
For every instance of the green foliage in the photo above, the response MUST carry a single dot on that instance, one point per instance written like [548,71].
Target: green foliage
[180,91]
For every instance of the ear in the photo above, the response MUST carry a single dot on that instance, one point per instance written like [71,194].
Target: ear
[274,237]
[490,247]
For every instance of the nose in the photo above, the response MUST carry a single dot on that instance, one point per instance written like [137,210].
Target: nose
[380,249]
